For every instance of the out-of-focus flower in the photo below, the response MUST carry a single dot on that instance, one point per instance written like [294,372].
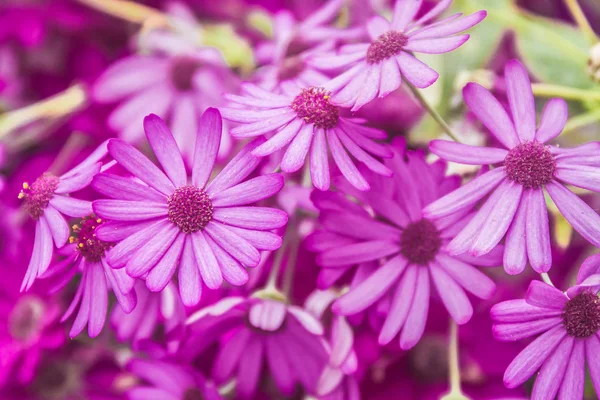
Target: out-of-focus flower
[163,222]
[48,201]
[178,87]
[517,207]
[306,120]
[169,381]
[376,68]
[256,332]
[568,323]
[414,247]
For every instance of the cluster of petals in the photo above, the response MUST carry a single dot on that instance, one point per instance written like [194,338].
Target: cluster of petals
[375,69]
[414,249]
[516,207]
[163,221]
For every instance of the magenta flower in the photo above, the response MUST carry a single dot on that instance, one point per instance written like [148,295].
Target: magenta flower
[256,333]
[517,208]
[307,121]
[413,247]
[86,255]
[376,68]
[169,381]
[567,325]
[163,222]
[177,87]
[47,201]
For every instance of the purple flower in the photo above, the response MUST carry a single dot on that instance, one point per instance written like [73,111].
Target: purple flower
[86,255]
[169,381]
[256,332]
[517,208]
[307,120]
[567,325]
[413,247]
[177,87]
[376,68]
[47,201]
[162,221]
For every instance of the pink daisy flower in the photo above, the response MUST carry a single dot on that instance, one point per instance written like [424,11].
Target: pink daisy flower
[413,247]
[255,333]
[169,381]
[178,87]
[162,221]
[516,208]
[86,255]
[306,120]
[48,201]
[568,326]
[376,68]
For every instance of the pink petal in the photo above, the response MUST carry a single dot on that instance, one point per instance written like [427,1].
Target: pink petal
[520,99]
[260,218]
[415,71]
[450,26]
[553,120]
[515,250]
[231,269]
[319,162]
[345,164]
[294,157]
[229,355]
[119,187]
[466,154]
[268,315]
[238,169]
[281,139]
[236,246]
[206,261]
[57,225]
[71,206]
[149,254]
[436,45]
[190,284]
[582,176]
[125,210]
[523,330]
[467,276]
[250,368]
[370,87]
[401,305]
[453,296]
[208,140]
[573,382]
[377,26]
[390,77]
[404,13]
[417,316]
[540,294]
[520,311]
[278,365]
[248,192]
[165,149]
[551,374]
[537,233]
[357,253]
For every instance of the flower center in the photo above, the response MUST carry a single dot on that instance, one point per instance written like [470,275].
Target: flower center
[190,208]
[530,164]
[24,322]
[313,106]
[85,239]
[581,315]
[193,394]
[420,242]
[38,195]
[182,73]
[385,46]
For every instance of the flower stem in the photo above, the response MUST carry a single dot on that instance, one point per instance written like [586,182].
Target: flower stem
[128,10]
[454,367]
[290,267]
[438,118]
[566,92]
[72,146]
[56,106]
[546,278]
[581,20]
[581,121]
[288,239]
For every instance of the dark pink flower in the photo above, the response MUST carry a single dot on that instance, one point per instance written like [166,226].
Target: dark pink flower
[162,221]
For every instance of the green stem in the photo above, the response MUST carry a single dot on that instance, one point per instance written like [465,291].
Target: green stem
[582,120]
[454,366]
[438,118]
[569,93]
[581,20]
[546,278]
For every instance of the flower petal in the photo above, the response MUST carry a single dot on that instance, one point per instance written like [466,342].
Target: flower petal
[206,261]
[238,169]
[71,207]
[165,149]
[466,154]
[125,210]
[294,156]
[539,249]
[401,305]
[149,254]
[553,120]
[573,382]
[436,45]
[415,71]
[344,163]
[319,161]
[58,226]
[523,330]
[190,283]
[248,192]
[540,294]
[520,99]
[260,218]
[467,276]
[357,253]
[208,140]
[404,13]
[452,294]
[234,245]
[417,316]
[553,370]
[120,187]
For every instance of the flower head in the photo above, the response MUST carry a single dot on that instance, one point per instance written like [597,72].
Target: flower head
[376,68]
[307,121]
[163,221]
[516,209]
[568,326]
[412,246]
[47,200]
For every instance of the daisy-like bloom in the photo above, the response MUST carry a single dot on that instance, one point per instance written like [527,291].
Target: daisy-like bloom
[336,381]
[376,68]
[48,201]
[413,247]
[568,326]
[169,381]
[163,220]
[306,120]
[87,255]
[516,209]
[295,41]
[178,87]
[29,326]
[285,339]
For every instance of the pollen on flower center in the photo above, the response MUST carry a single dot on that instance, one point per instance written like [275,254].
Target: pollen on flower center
[24,322]
[86,242]
[420,242]
[38,195]
[190,208]
[581,315]
[182,72]
[313,106]
[193,394]
[530,164]
[385,46]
